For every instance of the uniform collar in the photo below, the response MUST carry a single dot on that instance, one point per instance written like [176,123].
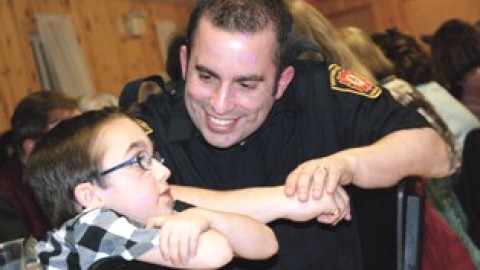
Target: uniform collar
[182,128]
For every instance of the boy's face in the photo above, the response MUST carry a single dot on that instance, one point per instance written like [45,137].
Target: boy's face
[132,191]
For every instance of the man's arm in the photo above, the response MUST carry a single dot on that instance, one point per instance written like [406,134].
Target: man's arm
[420,152]
[267,204]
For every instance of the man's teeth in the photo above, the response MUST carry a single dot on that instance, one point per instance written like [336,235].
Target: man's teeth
[221,122]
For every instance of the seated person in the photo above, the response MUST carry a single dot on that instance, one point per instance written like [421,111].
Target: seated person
[99,181]
[35,114]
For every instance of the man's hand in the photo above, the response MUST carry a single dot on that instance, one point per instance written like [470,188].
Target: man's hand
[179,234]
[319,176]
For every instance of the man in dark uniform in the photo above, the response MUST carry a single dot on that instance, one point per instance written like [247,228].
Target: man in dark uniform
[250,134]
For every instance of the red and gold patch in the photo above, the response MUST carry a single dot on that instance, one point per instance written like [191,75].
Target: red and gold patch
[347,81]
[146,128]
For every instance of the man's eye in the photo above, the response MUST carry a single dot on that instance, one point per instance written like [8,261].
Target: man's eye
[205,77]
[247,85]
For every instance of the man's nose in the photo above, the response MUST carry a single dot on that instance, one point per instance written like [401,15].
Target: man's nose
[222,100]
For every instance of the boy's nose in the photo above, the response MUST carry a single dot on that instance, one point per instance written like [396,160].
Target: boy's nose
[161,172]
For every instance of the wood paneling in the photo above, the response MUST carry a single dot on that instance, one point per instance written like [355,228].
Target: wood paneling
[332,8]
[112,57]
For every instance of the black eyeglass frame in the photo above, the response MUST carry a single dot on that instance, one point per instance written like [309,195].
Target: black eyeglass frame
[139,159]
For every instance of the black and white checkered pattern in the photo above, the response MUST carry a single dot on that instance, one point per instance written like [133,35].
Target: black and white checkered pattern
[92,235]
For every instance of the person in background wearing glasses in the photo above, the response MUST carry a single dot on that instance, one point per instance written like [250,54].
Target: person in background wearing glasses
[106,193]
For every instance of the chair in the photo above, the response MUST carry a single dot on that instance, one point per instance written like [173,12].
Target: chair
[410,222]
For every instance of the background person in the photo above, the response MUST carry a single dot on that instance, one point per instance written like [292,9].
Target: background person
[455,49]
[35,114]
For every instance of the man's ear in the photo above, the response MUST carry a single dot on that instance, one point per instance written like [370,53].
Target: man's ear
[85,194]
[184,60]
[285,78]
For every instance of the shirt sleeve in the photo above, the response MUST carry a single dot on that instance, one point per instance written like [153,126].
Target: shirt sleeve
[353,111]
[105,233]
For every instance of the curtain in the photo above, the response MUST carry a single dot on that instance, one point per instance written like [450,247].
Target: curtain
[64,56]
[165,30]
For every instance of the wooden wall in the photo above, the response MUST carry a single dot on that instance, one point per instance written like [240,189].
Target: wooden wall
[417,17]
[112,57]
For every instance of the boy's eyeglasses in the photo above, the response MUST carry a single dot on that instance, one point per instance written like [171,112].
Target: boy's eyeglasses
[143,159]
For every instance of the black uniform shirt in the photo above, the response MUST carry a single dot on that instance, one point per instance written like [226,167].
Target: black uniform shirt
[326,109]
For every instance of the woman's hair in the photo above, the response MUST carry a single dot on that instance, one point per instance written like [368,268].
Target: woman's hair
[455,51]
[367,51]
[310,24]
[411,61]
[97,100]
[64,158]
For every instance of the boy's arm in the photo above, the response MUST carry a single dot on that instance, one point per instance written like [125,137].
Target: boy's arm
[267,204]
[213,251]
[248,237]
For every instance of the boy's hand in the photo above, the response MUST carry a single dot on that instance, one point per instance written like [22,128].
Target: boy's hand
[329,209]
[179,234]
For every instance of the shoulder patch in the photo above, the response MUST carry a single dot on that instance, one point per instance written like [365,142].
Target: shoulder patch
[347,81]
[146,128]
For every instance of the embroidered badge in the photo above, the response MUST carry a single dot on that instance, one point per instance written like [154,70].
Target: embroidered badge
[347,81]
[146,128]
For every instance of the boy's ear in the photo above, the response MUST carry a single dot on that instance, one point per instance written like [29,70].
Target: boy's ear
[86,196]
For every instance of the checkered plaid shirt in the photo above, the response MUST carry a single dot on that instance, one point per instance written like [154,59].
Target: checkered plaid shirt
[92,235]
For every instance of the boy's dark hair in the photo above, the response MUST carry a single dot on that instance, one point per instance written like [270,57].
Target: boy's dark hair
[34,113]
[64,158]
[455,51]
[246,16]
[410,60]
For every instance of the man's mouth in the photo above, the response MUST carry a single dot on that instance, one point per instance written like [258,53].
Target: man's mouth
[220,125]
[220,122]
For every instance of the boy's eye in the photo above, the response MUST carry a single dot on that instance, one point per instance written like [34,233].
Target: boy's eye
[145,160]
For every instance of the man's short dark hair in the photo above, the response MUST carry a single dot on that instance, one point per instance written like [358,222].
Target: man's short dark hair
[247,16]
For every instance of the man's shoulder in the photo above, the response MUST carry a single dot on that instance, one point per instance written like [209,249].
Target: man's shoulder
[318,75]
[345,80]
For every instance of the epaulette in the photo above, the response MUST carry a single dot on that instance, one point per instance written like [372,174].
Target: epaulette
[145,127]
[347,81]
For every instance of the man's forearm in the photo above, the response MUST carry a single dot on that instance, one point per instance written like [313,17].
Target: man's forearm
[419,152]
